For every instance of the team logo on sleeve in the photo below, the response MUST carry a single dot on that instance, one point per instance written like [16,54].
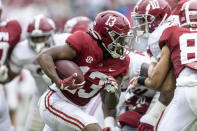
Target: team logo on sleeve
[89,59]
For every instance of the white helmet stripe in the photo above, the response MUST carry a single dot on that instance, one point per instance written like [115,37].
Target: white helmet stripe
[37,21]
[187,11]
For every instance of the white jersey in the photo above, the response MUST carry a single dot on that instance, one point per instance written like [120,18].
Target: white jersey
[136,61]
[153,40]
[23,56]
[60,39]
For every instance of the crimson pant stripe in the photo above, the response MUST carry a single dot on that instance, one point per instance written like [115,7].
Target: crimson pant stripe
[53,109]
[159,120]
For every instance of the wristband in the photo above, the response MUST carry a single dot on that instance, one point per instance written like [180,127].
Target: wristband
[141,80]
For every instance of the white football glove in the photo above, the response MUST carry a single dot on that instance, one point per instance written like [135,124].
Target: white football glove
[110,84]
[3,73]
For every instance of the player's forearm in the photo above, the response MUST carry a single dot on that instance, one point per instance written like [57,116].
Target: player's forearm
[109,103]
[47,65]
[111,100]
[151,67]
[169,84]
[159,71]
[108,111]
[166,98]
[150,82]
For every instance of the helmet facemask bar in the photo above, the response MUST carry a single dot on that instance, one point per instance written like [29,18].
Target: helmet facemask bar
[117,48]
[40,42]
[141,20]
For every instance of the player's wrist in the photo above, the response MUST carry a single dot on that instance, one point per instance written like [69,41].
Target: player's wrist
[141,80]
[58,82]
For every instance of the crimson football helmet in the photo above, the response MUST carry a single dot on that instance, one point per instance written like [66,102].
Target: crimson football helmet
[82,23]
[40,33]
[149,14]
[188,14]
[112,29]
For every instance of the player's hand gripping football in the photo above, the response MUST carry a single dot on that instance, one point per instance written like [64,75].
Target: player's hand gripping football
[110,84]
[132,83]
[69,83]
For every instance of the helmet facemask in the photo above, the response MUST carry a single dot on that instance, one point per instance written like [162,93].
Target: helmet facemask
[150,21]
[40,42]
[142,23]
[117,48]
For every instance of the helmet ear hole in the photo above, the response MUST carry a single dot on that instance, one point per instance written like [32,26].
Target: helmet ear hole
[102,16]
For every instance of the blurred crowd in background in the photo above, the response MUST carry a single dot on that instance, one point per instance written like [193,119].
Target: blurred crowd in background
[62,10]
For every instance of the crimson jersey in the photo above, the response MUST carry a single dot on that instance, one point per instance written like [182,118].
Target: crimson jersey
[182,45]
[90,57]
[177,9]
[9,36]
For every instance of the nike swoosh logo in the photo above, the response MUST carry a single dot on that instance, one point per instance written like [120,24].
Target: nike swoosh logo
[111,70]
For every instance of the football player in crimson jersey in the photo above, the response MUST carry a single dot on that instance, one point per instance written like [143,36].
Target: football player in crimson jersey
[134,101]
[40,36]
[177,6]
[63,108]
[178,51]
[153,18]
[83,23]
[152,117]
[10,32]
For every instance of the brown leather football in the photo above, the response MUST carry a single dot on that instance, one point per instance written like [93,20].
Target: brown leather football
[66,68]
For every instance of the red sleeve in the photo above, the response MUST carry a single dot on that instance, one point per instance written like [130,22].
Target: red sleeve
[15,25]
[177,9]
[165,36]
[76,41]
[126,69]
[16,30]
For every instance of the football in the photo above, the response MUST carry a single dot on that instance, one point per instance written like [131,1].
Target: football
[66,68]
